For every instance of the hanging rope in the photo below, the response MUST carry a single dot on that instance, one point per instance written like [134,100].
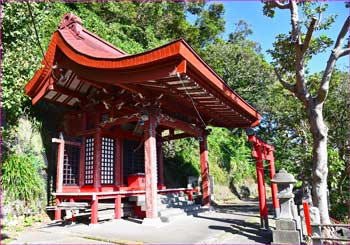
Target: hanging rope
[194,105]
[36,33]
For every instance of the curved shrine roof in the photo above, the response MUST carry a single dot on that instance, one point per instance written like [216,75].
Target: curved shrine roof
[80,66]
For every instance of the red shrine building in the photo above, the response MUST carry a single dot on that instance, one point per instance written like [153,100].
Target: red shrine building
[117,102]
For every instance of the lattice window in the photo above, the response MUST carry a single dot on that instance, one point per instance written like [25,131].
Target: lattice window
[71,164]
[89,161]
[107,160]
[133,158]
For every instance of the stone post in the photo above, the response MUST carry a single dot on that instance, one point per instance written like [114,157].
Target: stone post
[315,228]
[286,226]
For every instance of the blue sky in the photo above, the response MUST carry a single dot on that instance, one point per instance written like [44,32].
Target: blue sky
[265,29]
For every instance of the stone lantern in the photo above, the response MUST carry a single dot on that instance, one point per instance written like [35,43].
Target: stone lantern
[286,226]
[285,183]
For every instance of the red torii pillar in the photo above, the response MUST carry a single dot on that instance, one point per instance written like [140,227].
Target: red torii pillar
[263,151]
[275,201]
[203,149]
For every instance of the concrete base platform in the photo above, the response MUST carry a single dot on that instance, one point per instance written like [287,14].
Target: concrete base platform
[152,222]
[225,226]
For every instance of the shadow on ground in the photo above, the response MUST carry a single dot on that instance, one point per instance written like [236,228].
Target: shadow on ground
[250,209]
[251,231]
[239,226]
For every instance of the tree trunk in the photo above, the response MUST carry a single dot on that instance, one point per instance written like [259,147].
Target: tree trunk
[319,132]
[347,151]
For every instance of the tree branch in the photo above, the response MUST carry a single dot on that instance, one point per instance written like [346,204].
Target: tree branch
[310,30]
[342,33]
[295,22]
[343,52]
[287,85]
[336,53]
[279,4]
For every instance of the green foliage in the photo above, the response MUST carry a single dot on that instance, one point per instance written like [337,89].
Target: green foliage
[20,178]
[181,159]
[285,125]
[23,185]
[283,52]
[210,24]
[288,118]
[230,156]
[30,220]
[338,185]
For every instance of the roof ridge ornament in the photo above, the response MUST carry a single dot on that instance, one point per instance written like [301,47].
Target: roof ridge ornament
[72,22]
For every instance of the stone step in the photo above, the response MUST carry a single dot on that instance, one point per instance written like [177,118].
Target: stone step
[170,206]
[287,236]
[74,205]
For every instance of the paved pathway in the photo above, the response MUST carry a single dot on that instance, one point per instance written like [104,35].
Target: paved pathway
[228,225]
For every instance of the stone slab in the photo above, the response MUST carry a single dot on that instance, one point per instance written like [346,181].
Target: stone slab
[284,224]
[291,237]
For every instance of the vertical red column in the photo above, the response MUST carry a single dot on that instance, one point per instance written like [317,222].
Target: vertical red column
[60,159]
[97,159]
[117,207]
[275,201]
[151,167]
[307,218]
[58,212]
[160,164]
[94,210]
[261,187]
[203,148]
[73,218]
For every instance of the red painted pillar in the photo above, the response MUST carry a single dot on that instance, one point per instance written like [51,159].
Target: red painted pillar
[73,219]
[261,188]
[117,207]
[94,210]
[97,159]
[203,148]
[60,159]
[275,201]
[118,174]
[58,212]
[160,164]
[151,167]
[307,218]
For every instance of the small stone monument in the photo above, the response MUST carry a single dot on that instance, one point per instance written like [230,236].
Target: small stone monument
[316,230]
[286,227]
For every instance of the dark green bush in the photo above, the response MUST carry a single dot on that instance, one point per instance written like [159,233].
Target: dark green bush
[21,179]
